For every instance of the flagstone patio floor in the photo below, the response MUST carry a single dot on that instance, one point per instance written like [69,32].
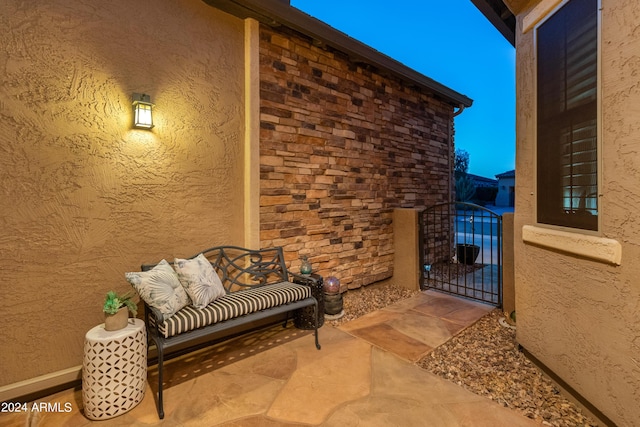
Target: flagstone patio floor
[364,375]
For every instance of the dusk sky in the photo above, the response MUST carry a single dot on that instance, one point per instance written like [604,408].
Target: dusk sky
[452,43]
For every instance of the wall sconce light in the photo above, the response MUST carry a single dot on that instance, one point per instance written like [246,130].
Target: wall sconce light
[142,111]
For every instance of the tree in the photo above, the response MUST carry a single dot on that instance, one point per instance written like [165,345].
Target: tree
[465,188]
[461,162]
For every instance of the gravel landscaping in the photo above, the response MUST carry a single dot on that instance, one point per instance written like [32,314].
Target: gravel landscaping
[484,358]
[358,302]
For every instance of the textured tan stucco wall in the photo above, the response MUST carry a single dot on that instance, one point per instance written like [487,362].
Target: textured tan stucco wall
[84,197]
[508,274]
[407,259]
[581,318]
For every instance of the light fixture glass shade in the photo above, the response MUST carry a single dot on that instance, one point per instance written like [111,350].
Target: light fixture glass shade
[142,111]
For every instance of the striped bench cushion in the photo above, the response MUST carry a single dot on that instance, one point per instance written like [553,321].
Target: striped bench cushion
[232,305]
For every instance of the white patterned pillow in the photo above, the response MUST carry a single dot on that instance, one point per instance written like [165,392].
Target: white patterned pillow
[199,279]
[160,288]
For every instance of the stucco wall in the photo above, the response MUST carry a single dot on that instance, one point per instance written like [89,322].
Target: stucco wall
[579,317]
[342,145]
[86,198]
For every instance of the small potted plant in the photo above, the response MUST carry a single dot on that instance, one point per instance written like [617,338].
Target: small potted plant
[116,310]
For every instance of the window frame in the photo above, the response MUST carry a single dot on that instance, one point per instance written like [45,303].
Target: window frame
[571,228]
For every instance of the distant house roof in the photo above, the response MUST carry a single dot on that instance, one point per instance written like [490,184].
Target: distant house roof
[279,12]
[500,16]
[507,174]
[481,181]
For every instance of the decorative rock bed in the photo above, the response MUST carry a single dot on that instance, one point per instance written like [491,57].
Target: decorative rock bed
[484,359]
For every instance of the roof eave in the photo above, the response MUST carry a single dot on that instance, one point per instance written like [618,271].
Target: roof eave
[279,12]
[500,17]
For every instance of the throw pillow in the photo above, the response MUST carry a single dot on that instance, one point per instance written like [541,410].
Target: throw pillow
[160,288]
[199,279]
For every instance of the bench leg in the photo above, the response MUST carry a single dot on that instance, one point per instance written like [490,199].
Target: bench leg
[317,315]
[160,379]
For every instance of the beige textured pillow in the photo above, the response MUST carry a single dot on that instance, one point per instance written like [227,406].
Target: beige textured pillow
[199,279]
[160,288]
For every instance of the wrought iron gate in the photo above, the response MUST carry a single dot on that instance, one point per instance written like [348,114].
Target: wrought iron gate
[462,247]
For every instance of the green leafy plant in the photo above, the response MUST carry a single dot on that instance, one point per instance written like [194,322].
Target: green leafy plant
[114,302]
[465,188]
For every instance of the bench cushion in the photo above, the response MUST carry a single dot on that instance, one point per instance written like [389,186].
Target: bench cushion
[232,305]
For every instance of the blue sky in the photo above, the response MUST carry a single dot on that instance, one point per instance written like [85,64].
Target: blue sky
[453,43]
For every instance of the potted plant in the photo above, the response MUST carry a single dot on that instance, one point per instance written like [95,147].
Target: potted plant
[116,310]
[467,253]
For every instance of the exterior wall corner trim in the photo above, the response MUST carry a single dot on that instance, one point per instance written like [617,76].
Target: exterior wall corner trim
[542,10]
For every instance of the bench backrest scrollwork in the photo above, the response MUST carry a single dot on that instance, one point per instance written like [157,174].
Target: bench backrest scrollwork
[241,268]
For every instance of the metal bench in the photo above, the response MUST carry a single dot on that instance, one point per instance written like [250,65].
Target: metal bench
[257,285]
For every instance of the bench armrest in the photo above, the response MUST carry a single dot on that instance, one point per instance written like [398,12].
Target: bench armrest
[157,314]
[152,327]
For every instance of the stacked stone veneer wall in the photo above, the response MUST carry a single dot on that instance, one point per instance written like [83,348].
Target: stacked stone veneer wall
[341,145]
